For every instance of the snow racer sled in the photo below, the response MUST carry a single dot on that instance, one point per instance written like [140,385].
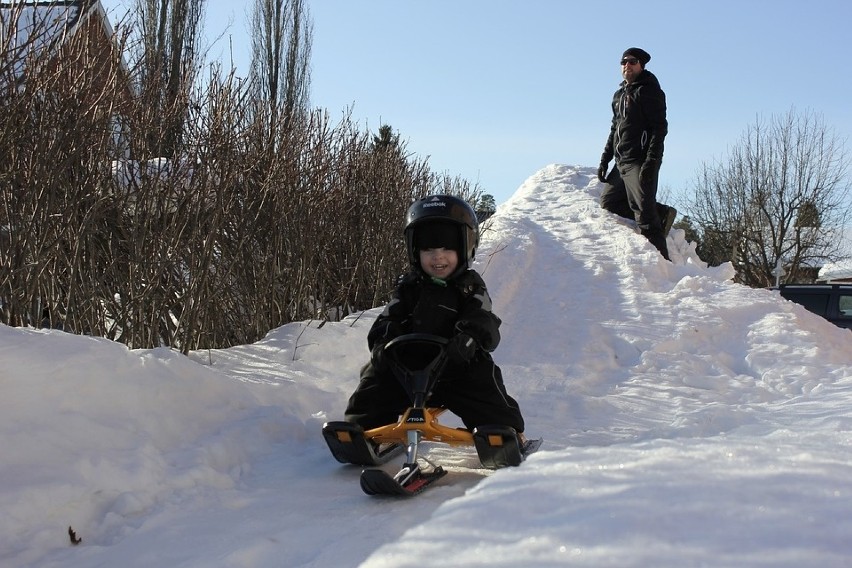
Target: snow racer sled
[497,446]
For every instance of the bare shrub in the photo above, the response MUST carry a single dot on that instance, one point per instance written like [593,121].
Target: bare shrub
[248,224]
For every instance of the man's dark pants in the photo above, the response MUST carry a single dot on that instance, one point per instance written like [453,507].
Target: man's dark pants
[626,195]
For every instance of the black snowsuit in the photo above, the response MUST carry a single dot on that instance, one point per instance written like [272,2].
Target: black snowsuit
[636,141]
[474,392]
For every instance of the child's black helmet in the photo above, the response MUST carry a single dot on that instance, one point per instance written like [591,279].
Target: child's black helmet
[443,210]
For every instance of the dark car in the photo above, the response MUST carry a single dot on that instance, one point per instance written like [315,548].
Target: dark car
[831,301]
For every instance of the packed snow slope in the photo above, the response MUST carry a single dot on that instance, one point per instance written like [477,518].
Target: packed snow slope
[688,421]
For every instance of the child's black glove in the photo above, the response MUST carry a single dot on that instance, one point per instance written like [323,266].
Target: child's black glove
[461,348]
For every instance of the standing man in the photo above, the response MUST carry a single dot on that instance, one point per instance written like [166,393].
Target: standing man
[636,137]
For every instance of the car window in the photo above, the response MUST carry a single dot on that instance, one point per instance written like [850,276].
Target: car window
[817,303]
[845,305]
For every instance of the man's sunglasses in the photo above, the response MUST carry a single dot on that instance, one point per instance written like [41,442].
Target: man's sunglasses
[629,61]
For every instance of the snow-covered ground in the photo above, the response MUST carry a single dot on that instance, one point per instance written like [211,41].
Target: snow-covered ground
[688,421]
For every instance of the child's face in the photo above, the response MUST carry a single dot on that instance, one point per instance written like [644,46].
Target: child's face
[439,262]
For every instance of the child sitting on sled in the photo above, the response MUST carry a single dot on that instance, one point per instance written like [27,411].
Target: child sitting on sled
[440,295]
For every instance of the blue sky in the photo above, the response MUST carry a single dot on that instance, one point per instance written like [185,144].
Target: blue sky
[494,90]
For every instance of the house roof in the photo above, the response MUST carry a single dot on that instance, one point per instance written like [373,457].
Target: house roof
[836,271]
[28,27]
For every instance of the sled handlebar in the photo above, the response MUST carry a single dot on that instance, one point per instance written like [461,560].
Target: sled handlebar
[417,360]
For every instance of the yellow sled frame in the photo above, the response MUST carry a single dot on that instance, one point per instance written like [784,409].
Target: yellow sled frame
[429,429]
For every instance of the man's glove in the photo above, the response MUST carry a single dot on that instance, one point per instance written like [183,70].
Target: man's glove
[461,348]
[604,167]
[602,170]
[377,357]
